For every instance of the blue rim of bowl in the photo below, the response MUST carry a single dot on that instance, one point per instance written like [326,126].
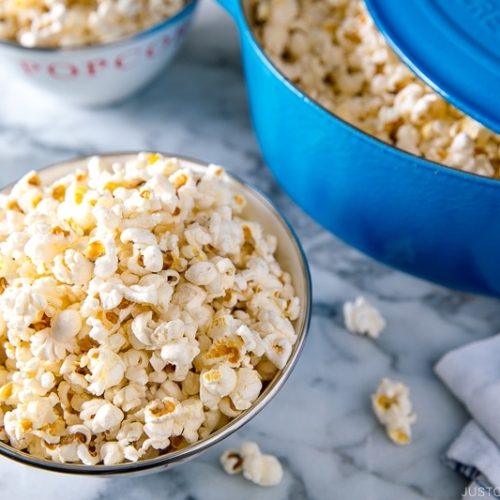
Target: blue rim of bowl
[177,457]
[408,157]
[186,10]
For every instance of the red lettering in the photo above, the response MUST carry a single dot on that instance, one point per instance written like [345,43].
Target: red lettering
[95,64]
[29,67]
[180,32]
[158,44]
[62,70]
[128,59]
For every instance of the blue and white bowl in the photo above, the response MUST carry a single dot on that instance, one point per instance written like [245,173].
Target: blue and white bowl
[97,75]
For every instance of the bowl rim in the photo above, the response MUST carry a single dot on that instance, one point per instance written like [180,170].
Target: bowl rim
[270,391]
[406,155]
[132,37]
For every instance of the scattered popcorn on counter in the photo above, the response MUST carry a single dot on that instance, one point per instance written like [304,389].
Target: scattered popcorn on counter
[232,461]
[334,52]
[362,317]
[392,406]
[70,23]
[264,470]
[138,312]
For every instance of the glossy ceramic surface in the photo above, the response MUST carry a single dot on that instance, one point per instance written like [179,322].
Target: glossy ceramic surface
[432,221]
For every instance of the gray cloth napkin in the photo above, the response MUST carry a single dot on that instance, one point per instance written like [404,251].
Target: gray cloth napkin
[472,373]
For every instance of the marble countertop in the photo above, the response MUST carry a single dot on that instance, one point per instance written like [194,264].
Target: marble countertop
[320,425]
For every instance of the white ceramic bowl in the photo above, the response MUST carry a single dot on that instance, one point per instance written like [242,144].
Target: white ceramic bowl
[291,258]
[97,75]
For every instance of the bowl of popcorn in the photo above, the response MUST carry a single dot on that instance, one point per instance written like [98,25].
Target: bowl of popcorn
[150,307]
[374,153]
[91,52]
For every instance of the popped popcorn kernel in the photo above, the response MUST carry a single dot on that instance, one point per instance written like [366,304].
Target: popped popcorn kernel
[161,410]
[232,462]
[139,312]
[229,351]
[261,469]
[335,54]
[392,407]
[362,317]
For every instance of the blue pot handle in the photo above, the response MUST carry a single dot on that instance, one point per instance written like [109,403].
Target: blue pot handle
[233,7]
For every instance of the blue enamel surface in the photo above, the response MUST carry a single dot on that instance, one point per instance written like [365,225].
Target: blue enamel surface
[452,45]
[425,219]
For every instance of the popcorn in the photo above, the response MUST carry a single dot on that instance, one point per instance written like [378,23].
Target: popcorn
[264,470]
[162,410]
[362,317]
[111,453]
[160,416]
[247,390]
[201,273]
[106,370]
[67,449]
[131,396]
[107,417]
[129,432]
[139,312]
[393,408]
[192,419]
[88,456]
[220,380]
[30,415]
[72,268]
[335,54]
[52,343]
[232,462]
[103,253]
[47,23]
[277,349]
[180,355]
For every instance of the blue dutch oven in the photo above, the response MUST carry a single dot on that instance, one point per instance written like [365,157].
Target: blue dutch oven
[423,218]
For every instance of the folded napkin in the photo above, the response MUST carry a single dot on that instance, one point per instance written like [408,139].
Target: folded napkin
[472,373]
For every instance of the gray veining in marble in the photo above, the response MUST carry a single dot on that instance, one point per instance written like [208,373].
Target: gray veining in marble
[321,425]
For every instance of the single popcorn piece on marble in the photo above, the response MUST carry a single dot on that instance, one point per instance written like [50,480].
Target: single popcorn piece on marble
[232,461]
[264,470]
[139,312]
[363,317]
[49,23]
[334,52]
[392,406]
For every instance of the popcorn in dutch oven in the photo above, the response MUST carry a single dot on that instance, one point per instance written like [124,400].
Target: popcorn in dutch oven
[335,54]
[139,312]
